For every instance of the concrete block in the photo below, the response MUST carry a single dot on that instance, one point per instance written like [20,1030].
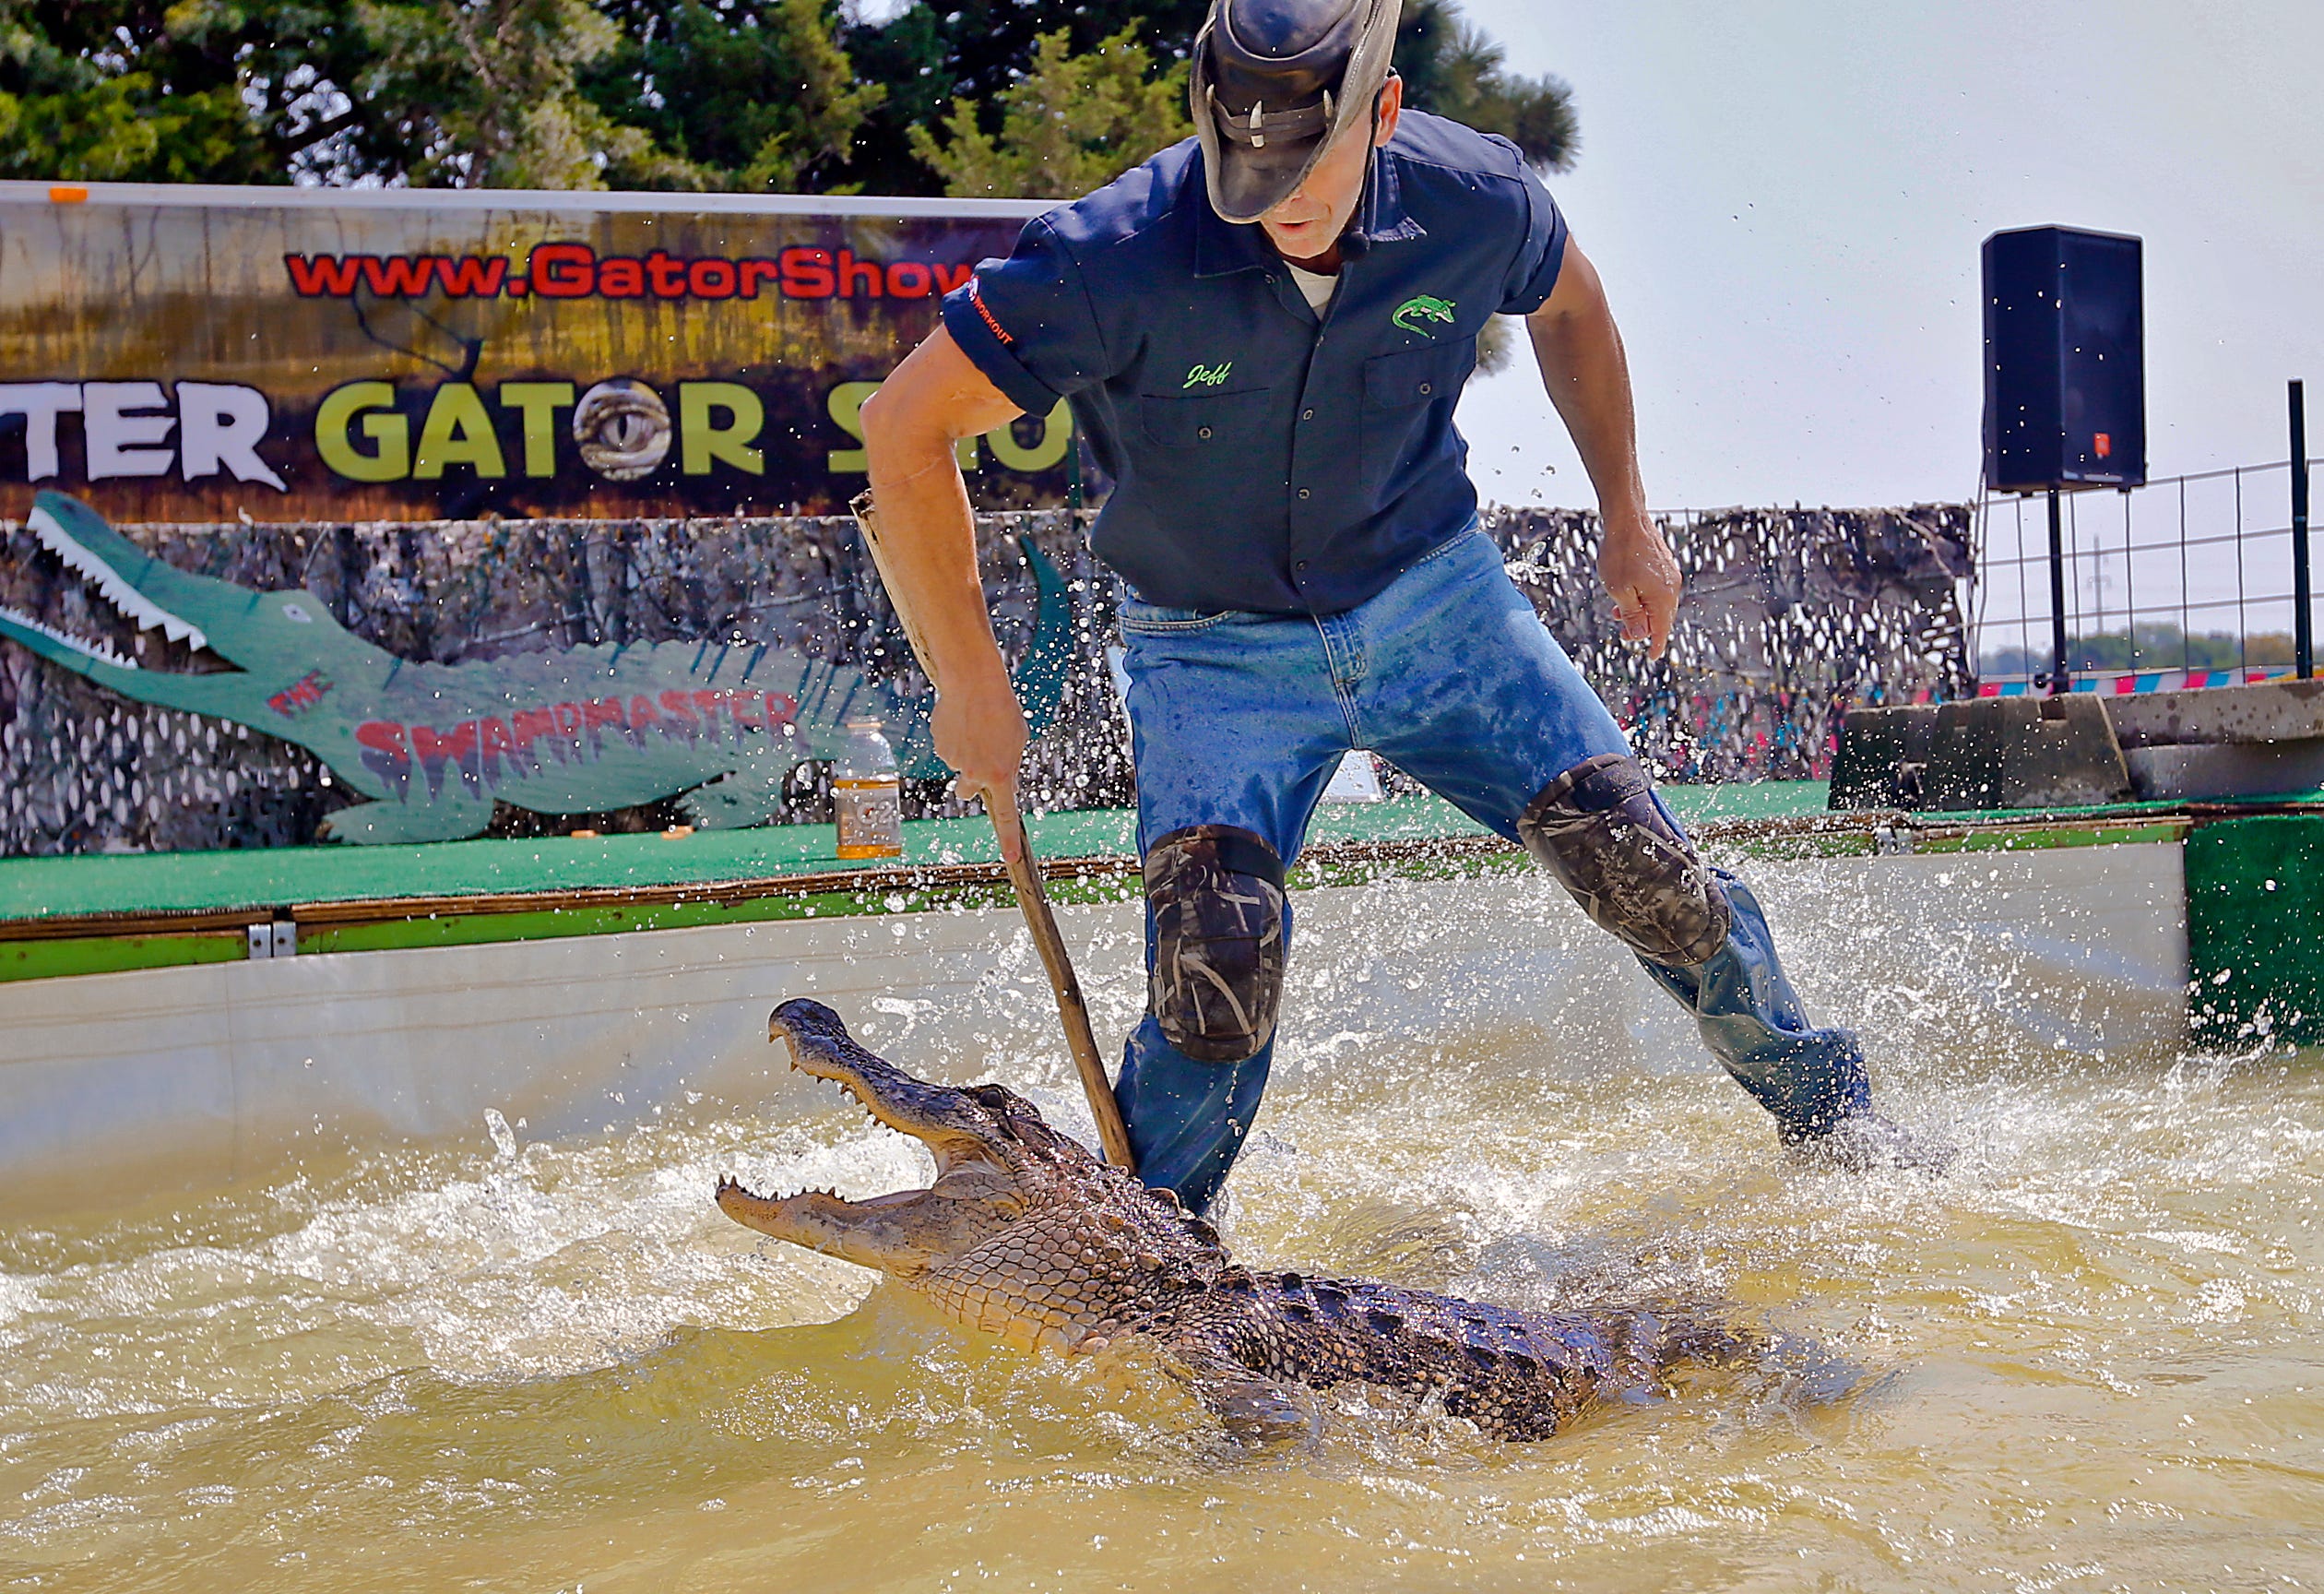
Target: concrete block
[2238,716]
[2200,773]
[1882,757]
[1990,753]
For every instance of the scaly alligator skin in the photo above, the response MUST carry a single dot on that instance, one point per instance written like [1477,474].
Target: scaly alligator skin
[1027,1235]
[572,732]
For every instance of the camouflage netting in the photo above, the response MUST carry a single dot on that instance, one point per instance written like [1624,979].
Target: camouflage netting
[1790,616]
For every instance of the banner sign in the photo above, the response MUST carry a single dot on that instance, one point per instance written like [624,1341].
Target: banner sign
[209,354]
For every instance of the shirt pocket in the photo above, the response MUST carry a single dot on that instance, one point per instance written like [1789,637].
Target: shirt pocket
[1203,420]
[1417,376]
[1401,428]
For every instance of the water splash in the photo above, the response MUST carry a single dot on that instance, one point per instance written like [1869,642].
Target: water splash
[2087,1357]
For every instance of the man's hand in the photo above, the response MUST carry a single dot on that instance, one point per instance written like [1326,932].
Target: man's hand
[979,729]
[1641,575]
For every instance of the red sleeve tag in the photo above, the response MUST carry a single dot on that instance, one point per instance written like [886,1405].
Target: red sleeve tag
[976,297]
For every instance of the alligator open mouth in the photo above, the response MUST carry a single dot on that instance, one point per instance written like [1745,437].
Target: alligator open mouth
[994,1157]
[100,582]
[825,1063]
[779,1212]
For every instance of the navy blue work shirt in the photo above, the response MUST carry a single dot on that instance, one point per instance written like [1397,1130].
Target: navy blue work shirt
[1266,458]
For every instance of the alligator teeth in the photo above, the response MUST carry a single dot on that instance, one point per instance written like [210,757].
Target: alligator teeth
[97,650]
[110,585]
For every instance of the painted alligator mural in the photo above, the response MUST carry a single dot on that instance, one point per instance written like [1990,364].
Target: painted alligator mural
[434,747]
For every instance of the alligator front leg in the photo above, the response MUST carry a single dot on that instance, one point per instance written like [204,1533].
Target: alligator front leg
[382,824]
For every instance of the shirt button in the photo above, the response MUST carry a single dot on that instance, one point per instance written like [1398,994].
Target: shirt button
[1307,415]
[1305,493]
[1203,432]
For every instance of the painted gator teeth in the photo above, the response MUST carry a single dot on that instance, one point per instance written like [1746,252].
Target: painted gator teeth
[95,650]
[110,585]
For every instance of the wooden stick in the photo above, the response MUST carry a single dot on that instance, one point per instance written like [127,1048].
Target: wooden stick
[1032,898]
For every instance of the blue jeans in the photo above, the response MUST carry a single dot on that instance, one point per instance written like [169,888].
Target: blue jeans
[1239,718]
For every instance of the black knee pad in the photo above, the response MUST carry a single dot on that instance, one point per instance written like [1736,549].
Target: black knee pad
[1597,829]
[1216,895]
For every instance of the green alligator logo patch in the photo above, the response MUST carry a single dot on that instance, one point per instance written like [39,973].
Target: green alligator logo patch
[1427,308]
[1208,376]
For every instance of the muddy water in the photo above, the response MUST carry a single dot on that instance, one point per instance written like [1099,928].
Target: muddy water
[2092,1358]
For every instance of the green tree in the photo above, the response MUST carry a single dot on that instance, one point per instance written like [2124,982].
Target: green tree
[934,56]
[425,92]
[1073,123]
[488,91]
[468,93]
[754,95]
[1450,67]
[2157,644]
[133,91]
[639,93]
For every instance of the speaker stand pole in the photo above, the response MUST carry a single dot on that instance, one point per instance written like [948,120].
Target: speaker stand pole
[2060,680]
[2303,616]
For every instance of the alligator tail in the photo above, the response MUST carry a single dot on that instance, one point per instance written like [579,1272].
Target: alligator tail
[1041,674]
[1040,677]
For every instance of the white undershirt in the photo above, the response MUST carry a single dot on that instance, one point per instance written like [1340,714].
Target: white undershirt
[1314,286]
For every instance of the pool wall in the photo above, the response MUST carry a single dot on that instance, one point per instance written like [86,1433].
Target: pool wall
[192,1076]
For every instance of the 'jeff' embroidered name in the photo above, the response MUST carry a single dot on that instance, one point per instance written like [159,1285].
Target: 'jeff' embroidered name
[1209,375]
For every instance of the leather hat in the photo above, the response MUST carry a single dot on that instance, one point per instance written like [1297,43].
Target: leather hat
[1274,83]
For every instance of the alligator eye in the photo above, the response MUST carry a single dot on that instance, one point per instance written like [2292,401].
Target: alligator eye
[293,611]
[622,429]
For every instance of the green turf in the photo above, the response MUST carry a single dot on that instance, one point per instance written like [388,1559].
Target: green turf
[2255,919]
[176,882]
[33,888]
[165,882]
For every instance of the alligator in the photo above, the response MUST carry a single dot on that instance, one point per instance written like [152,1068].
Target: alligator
[434,747]
[1025,1236]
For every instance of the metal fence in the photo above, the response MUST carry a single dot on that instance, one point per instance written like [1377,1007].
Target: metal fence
[2186,576]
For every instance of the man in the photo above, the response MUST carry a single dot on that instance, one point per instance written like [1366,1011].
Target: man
[1263,331]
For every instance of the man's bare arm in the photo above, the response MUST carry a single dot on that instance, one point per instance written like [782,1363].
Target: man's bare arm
[936,397]
[1580,351]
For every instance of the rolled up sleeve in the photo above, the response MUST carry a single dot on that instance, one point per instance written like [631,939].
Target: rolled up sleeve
[1027,324]
[1534,271]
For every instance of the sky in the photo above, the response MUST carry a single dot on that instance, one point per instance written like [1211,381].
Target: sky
[1787,202]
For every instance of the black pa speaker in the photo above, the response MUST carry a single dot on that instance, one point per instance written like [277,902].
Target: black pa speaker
[2064,351]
